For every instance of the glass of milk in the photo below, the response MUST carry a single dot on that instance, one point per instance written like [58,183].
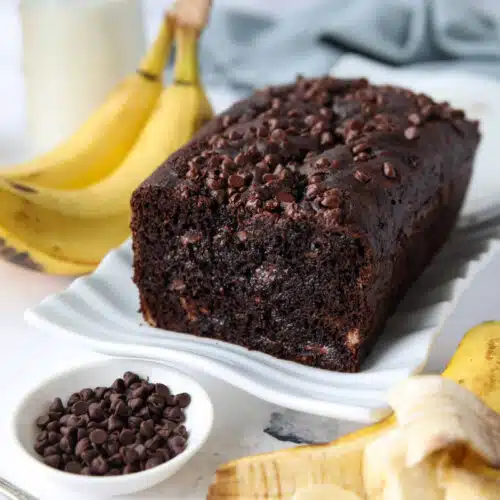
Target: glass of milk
[75,52]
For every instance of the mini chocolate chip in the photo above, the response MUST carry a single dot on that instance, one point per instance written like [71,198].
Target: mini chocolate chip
[389,170]
[113,472]
[144,413]
[113,448]
[130,378]
[415,119]
[154,462]
[411,133]
[118,385]
[234,135]
[164,433]
[40,446]
[99,392]
[51,450]
[79,408]
[190,237]
[75,421]
[141,391]
[176,414]
[85,471]
[361,157]
[114,423]
[89,455]
[73,399]
[163,453]
[220,143]
[87,394]
[134,422]
[42,436]
[140,449]
[311,120]
[42,421]
[130,455]
[130,469]
[253,203]
[322,163]
[96,412]
[361,176]
[127,437]
[269,178]
[330,201]
[181,431]
[278,134]
[66,444]
[147,428]
[121,409]
[312,190]
[262,131]
[176,444]
[318,128]
[283,197]
[135,404]
[82,446]
[80,434]
[68,431]
[326,138]
[98,436]
[53,437]
[56,405]
[240,159]
[73,467]
[53,426]
[99,466]
[115,459]
[52,461]
[236,181]
[242,235]
[358,148]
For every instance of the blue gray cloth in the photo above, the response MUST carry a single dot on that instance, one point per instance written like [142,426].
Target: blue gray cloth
[246,51]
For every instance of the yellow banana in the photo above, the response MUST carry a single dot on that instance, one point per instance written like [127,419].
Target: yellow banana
[179,112]
[48,241]
[103,141]
[52,240]
[292,473]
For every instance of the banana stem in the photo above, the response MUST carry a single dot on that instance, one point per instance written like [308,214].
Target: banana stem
[186,69]
[153,63]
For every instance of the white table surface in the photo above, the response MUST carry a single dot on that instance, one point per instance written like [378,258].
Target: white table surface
[26,355]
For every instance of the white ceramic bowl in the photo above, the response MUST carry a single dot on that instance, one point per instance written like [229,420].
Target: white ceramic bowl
[199,419]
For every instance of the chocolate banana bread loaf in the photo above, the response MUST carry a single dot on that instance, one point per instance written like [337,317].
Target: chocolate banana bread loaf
[294,223]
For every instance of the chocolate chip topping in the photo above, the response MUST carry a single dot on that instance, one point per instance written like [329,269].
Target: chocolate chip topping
[265,157]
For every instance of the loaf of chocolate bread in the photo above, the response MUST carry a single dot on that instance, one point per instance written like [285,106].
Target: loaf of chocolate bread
[295,222]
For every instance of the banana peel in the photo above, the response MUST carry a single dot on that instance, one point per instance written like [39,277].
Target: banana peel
[449,465]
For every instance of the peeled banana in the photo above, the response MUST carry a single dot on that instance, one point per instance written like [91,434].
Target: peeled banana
[179,112]
[442,443]
[68,227]
[104,140]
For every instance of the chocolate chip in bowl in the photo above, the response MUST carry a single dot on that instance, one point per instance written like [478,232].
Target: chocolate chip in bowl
[113,427]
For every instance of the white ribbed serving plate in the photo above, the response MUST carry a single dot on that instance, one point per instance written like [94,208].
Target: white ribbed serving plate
[100,311]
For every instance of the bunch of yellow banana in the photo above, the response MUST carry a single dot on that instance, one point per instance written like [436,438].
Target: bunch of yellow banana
[63,211]
[441,443]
